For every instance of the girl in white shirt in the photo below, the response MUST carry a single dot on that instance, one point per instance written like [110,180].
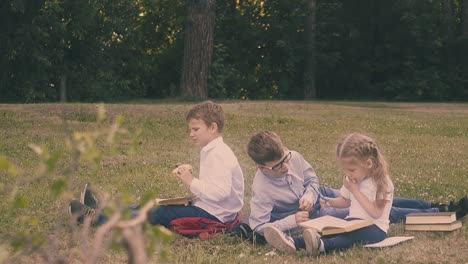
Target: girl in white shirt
[367,191]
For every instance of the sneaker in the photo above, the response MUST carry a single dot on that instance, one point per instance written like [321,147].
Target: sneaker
[312,241]
[79,211]
[278,239]
[88,198]
[460,208]
[443,207]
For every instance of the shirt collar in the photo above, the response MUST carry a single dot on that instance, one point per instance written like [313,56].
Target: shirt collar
[274,178]
[213,143]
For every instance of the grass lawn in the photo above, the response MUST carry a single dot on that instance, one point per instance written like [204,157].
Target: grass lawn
[426,145]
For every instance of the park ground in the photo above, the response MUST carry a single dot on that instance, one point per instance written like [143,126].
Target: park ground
[426,145]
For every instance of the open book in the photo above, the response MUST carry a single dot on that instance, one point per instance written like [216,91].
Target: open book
[329,225]
[175,201]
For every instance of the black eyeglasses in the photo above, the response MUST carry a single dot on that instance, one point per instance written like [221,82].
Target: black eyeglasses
[279,165]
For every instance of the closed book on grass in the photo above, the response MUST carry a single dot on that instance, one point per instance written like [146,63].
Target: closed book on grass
[174,201]
[431,218]
[434,227]
[329,225]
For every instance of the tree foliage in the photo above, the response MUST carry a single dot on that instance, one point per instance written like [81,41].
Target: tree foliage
[109,50]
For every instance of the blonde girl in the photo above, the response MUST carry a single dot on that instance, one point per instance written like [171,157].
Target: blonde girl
[367,191]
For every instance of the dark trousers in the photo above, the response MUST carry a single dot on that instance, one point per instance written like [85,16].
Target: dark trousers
[367,235]
[164,214]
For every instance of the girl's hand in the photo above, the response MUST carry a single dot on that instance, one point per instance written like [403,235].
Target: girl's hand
[324,202]
[302,216]
[350,185]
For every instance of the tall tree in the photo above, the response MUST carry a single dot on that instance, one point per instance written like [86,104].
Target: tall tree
[310,89]
[198,48]
[448,14]
[464,18]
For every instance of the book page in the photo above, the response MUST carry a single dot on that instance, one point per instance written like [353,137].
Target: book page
[390,241]
[324,221]
[174,201]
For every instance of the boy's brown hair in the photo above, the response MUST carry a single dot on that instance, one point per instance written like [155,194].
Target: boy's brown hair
[209,112]
[265,146]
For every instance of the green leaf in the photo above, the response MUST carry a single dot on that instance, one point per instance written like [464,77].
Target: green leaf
[126,213]
[101,115]
[37,239]
[20,201]
[58,187]
[147,196]
[119,119]
[17,244]
[116,246]
[163,233]
[12,171]
[52,161]
[4,163]
[107,211]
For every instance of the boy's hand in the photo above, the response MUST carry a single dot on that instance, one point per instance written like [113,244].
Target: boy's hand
[184,173]
[302,216]
[304,202]
[350,185]
[324,202]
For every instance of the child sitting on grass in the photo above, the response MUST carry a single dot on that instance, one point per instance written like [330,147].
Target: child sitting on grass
[219,189]
[367,191]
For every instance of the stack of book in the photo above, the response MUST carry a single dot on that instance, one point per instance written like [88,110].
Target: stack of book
[446,221]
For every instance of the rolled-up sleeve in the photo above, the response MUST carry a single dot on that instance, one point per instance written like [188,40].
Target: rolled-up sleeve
[311,182]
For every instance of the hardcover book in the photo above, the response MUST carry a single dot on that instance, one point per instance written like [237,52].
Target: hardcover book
[329,225]
[174,201]
[434,227]
[431,218]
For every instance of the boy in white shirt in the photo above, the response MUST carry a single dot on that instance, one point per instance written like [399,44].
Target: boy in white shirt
[219,189]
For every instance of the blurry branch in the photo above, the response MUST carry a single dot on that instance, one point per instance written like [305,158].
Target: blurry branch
[82,147]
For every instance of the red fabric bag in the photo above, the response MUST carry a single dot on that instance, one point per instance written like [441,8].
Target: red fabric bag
[201,227]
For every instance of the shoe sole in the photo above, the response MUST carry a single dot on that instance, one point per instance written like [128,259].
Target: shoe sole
[83,193]
[311,241]
[276,240]
[70,211]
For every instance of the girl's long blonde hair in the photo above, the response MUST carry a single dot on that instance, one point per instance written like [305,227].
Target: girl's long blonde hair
[362,147]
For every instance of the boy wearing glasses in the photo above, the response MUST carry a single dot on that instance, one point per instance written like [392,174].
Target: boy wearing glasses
[285,186]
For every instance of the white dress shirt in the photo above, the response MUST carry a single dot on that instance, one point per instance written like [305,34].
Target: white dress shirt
[220,185]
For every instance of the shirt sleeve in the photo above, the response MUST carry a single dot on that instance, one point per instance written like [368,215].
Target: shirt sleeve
[345,192]
[215,183]
[311,182]
[260,213]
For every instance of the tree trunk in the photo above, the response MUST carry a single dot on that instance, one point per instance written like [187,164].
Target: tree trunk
[63,88]
[198,48]
[449,15]
[464,18]
[310,89]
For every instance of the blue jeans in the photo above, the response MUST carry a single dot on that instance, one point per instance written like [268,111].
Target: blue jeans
[162,215]
[367,235]
[400,207]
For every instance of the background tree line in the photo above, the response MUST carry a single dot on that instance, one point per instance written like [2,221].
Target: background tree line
[90,50]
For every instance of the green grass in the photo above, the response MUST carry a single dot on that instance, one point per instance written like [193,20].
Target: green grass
[426,145]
